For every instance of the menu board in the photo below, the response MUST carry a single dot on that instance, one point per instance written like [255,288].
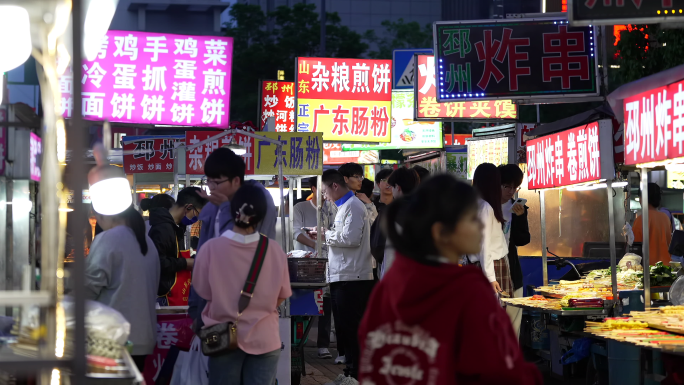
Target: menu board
[493,151]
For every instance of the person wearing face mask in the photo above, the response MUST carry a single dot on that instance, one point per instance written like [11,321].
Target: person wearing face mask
[167,231]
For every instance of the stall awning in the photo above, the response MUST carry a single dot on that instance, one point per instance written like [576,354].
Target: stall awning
[586,117]
[660,79]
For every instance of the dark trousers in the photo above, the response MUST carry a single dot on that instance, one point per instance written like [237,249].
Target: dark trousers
[324,324]
[349,301]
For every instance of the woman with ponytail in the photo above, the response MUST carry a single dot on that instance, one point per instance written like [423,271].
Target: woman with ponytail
[122,271]
[221,269]
[430,320]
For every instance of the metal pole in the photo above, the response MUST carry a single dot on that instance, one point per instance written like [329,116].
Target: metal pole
[281,184]
[604,58]
[538,115]
[542,212]
[645,243]
[319,209]
[290,206]
[611,227]
[76,141]
[175,175]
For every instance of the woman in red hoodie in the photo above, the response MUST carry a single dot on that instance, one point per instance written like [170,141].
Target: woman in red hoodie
[431,321]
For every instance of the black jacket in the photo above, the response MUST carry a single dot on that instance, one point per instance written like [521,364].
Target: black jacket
[520,236]
[168,238]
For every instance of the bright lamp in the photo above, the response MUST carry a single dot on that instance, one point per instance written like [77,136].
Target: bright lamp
[110,192]
[15,37]
[98,18]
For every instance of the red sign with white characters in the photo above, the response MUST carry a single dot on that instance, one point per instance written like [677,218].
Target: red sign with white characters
[523,129]
[277,100]
[333,154]
[458,139]
[149,155]
[564,158]
[654,125]
[195,158]
[430,109]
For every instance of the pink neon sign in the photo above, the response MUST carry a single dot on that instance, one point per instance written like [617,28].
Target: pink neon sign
[153,78]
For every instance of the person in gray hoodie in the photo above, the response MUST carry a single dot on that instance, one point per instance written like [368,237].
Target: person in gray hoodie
[122,272]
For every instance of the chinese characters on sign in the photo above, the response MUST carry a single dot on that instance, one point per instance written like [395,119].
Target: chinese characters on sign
[406,132]
[345,99]
[301,154]
[195,158]
[493,151]
[35,156]
[513,59]
[153,78]
[564,158]
[278,101]
[333,154]
[608,12]
[456,139]
[654,125]
[430,108]
[150,154]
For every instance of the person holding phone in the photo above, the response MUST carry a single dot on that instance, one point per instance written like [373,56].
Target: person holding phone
[516,231]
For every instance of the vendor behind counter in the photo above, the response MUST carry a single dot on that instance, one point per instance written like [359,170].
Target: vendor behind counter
[659,228]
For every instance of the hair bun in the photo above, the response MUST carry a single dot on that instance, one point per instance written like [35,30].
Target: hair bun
[245,215]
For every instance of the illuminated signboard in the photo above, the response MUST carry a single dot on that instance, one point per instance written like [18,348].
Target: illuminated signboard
[654,125]
[514,58]
[151,154]
[495,151]
[277,101]
[348,100]
[406,132]
[428,108]
[608,12]
[578,155]
[154,78]
[195,158]
[333,154]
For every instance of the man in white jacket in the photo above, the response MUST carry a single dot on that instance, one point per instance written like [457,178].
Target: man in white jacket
[350,271]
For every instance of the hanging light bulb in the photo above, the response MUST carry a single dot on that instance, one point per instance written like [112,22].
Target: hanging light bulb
[235,147]
[15,37]
[110,191]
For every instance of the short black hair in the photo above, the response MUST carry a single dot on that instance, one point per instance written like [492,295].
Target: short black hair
[350,169]
[250,201]
[158,201]
[190,196]
[313,181]
[333,176]
[383,174]
[405,178]
[654,195]
[423,173]
[224,162]
[367,187]
[511,175]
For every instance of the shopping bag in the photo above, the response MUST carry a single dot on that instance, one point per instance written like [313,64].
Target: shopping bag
[180,291]
[178,368]
[195,369]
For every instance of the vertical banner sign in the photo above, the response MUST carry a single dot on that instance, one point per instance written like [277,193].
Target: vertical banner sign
[301,154]
[35,156]
[406,132]
[195,158]
[150,154]
[348,100]
[493,151]
[654,125]
[277,101]
[506,59]
[564,158]
[428,108]
[608,12]
[333,154]
[154,78]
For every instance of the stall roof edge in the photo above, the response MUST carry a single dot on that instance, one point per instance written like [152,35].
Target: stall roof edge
[601,112]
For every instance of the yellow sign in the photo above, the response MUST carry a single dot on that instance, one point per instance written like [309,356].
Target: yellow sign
[346,120]
[301,154]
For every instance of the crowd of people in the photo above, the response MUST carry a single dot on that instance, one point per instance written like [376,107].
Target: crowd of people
[414,273]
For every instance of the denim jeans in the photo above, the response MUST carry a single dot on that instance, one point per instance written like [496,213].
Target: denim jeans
[240,368]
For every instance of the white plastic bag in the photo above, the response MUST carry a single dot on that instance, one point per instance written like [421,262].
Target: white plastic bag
[628,233]
[178,368]
[195,368]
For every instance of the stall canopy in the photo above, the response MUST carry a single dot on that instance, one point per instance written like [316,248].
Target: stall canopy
[583,118]
[660,79]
